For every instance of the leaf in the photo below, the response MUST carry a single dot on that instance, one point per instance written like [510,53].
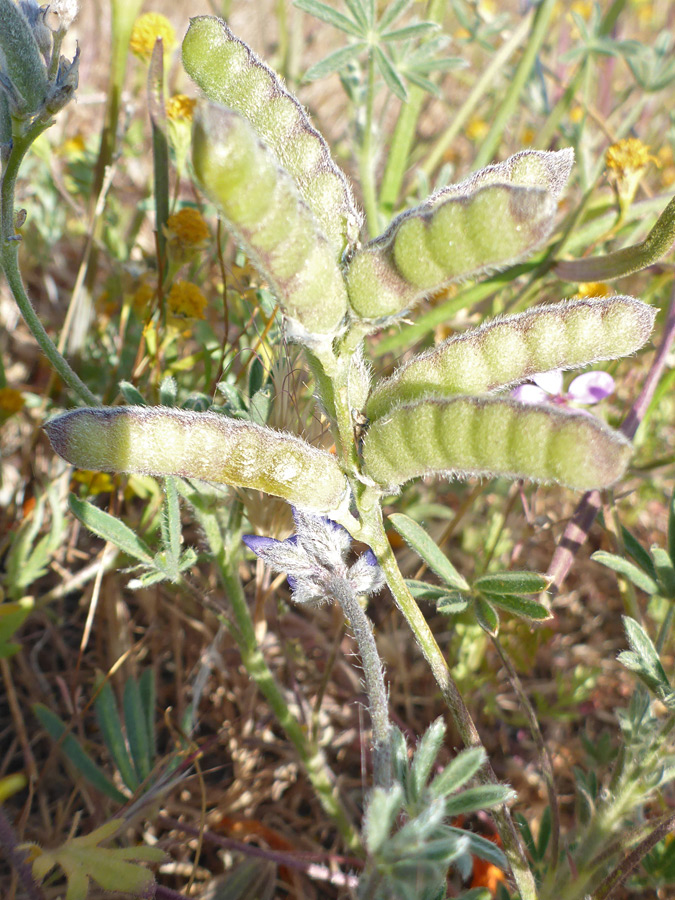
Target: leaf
[171,530]
[391,77]
[486,615]
[391,12]
[330,16]
[416,30]
[135,721]
[429,551]
[148,692]
[383,809]
[110,529]
[12,617]
[521,606]
[484,796]
[74,752]
[665,572]
[82,860]
[131,394]
[334,61]
[456,774]
[453,603]
[512,583]
[627,569]
[544,833]
[425,756]
[644,659]
[110,724]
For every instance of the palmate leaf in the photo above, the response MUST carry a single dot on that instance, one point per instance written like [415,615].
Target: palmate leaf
[330,16]
[334,61]
[391,77]
[83,859]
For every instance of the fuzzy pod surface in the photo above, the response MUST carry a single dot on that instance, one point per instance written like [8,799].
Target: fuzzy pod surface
[164,441]
[503,352]
[262,206]
[494,437]
[444,240]
[229,72]
[21,62]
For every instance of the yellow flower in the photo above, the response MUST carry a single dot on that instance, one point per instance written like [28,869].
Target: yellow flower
[626,163]
[146,30]
[187,227]
[11,401]
[73,148]
[186,299]
[476,129]
[593,289]
[143,296]
[180,106]
[96,482]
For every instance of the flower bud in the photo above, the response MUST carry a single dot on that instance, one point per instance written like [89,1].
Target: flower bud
[229,73]
[493,436]
[163,441]
[493,218]
[22,67]
[503,352]
[262,206]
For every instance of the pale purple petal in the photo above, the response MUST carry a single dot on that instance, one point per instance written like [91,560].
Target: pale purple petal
[529,393]
[257,542]
[551,382]
[591,387]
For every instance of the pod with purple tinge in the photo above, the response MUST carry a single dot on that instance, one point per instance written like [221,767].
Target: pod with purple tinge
[263,208]
[493,436]
[229,73]
[163,441]
[509,350]
[492,219]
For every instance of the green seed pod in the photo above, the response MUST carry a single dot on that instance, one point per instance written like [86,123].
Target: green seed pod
[21,63]
[493,436]
[163,441]
[506,351]
[263,208]
[229,73]
[440,242]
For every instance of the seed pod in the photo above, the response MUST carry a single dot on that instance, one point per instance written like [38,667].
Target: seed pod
[560,336]
[263,208]
[493,436]
[21,63]
[163,441]
[229,73]
[442,241]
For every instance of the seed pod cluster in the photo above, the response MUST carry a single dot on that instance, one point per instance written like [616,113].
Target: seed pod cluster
[263,208]
[163,441]
[505,351]
[493,436]
[229,73]
[440,242]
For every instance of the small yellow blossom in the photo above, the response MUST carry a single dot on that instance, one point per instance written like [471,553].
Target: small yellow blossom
[143,296]
[667,165]
[180,106]
[476,129]
[626,163]
[529,135]
[462,34]
[11,401]
[73,148]
[96,482]
[187,227]
[593,289]
[186,299]
[146,30]
[576,114]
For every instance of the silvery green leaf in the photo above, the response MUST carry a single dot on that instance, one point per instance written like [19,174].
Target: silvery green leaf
[416,30]
[335,61]
[428,550]
[330,16]
[627,569]
[425,756]
[381,813]
[110,529]
[484,796]
[520,606]
[131,394]
[486,615]
[391,77]
[665,572]
[456,774]
[512,583]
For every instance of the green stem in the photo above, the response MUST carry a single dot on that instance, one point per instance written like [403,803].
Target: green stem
[9,263]
[404,132]
[507,106]
[367,155]
[311,756]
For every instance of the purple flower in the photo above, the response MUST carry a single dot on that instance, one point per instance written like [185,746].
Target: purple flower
[589,388]
[314,560]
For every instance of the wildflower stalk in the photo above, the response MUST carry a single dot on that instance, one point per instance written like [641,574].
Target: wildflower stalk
[506,107]
[312,758]
[9,262]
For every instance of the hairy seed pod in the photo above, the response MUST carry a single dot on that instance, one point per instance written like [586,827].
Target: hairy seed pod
[164,441]
[506,351]
[262,206]
[493,436]
[229,73]
[21,63]
[440,242]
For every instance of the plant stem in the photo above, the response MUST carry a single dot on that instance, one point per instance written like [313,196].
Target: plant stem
[544,756]
[9,262]
[312,758]
[506,107]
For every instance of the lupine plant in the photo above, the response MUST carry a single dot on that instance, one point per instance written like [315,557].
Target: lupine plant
[449,412]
